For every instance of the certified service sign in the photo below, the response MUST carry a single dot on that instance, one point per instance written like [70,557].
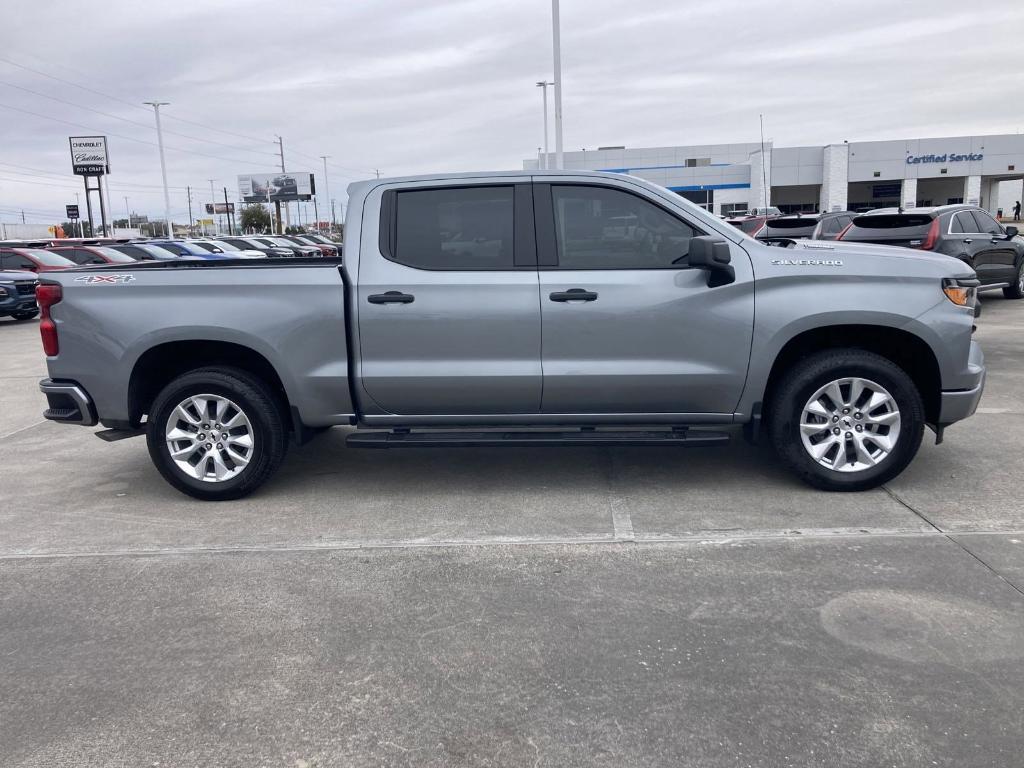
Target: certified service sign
[89,155]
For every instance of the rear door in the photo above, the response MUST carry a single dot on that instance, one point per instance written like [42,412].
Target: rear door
[628,327]
[448,311]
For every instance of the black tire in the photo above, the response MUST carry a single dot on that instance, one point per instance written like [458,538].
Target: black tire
[1016,291]
[259,404]
[25,315]
[800,383]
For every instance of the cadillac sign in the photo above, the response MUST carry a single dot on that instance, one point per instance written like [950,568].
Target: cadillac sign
[89,155]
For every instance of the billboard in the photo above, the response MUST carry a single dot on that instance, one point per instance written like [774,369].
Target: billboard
[220,207]
[89,155]
[282,187]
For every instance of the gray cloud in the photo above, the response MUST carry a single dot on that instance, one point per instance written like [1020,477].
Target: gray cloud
[412,87]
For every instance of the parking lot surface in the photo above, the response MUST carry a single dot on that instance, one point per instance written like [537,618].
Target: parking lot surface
[536,607]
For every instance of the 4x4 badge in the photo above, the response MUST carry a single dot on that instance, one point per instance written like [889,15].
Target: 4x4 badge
[109,279]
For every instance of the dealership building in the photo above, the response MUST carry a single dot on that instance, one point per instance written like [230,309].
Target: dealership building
[848,176]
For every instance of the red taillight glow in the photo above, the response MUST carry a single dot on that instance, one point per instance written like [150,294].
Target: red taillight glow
[47,295]
[845,230]
[932,237]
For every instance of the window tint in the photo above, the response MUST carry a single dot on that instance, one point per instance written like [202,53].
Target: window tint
[962,224]
[832,226]
[469,228]
[132,251]
[602,228]
[986,223]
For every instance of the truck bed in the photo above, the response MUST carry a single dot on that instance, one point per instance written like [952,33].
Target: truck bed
[115,322]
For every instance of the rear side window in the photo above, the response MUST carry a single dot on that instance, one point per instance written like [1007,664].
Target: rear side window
[602,228]
[963,223]
[467,228]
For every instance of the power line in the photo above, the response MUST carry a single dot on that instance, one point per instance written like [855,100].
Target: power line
[132,122]
[132,138]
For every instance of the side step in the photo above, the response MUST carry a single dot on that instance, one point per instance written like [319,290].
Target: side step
[402,439]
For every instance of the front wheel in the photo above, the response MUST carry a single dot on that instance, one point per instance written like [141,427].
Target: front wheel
[1016,291]
[216,433]
[27,315]
[846,420]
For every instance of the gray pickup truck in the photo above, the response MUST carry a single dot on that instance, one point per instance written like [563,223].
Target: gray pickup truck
[520,309]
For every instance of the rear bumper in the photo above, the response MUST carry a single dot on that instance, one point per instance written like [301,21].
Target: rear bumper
[68,403]
[958,405]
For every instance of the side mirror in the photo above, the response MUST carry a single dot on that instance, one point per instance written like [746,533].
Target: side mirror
[1011,232]
[711,253]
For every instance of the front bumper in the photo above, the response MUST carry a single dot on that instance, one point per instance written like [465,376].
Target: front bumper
[959,404]
[12,303]
[68,402]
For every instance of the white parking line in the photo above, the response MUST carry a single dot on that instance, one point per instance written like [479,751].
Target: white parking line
[716,538]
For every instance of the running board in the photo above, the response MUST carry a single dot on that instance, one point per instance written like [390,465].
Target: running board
[401,439]
[113,435]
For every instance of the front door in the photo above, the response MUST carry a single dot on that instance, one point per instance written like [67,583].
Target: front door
[448,314]
[995,257]
[628,327]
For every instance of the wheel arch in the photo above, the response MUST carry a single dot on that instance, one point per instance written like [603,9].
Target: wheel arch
[907,350]
[164,362]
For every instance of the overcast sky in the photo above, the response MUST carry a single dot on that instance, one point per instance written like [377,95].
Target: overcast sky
[412,86]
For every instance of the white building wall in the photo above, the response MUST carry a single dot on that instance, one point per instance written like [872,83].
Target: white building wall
[760,178]
[908,195]
[972,190]
[835,177]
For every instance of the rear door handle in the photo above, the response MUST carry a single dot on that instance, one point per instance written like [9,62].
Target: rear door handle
[573,294]
[391,297]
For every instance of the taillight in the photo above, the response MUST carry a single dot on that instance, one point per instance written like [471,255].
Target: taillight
[932,237]
[845,230]
[48,294]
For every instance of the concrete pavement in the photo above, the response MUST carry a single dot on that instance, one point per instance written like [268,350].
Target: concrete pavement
[552,607]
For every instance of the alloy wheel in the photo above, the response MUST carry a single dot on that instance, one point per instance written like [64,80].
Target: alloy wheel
[209,438]
[850,425]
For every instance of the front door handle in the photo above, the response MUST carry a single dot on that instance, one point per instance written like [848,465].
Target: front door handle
[391,297]
[573,294]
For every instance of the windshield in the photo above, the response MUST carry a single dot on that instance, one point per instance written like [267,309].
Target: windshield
[48,258]
[280,241]
[113,255]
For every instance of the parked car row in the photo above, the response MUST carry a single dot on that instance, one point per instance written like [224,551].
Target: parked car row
[49,255]
[966,232]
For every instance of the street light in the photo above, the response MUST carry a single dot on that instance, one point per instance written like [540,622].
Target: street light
[556,34]
[543,85]
[127,213]
[327,191]
[163,164]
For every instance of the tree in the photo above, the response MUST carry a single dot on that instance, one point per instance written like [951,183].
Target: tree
[71,228]
[254,218]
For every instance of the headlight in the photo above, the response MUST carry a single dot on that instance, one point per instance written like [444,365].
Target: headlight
[963,293]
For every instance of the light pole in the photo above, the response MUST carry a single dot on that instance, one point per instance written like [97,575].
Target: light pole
[163,164]
[543,85]
[127,213]
[327,190]
[557,47]
[78,204]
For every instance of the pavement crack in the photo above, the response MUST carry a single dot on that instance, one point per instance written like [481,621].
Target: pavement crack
[950,537]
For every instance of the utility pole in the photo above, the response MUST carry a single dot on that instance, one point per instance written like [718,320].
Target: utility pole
[227,212]
[163,164]
[213,201]
[543,85]
[378,172]
[557,46]
[189,191]
[327,190]
[334,221]
[128,213]
[78,202]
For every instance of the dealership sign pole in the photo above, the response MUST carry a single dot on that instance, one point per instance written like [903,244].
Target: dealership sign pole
[89,159]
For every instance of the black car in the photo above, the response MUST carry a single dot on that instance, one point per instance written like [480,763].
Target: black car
[18,295]
[253,244]
[296,249]
[805,226]
[969,233]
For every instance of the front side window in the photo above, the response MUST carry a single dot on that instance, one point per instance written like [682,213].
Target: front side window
[468,228]
[603,228]
[987,224]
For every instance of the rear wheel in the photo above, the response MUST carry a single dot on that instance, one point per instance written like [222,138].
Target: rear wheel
[846,420]
[1016,291]
[216,433]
